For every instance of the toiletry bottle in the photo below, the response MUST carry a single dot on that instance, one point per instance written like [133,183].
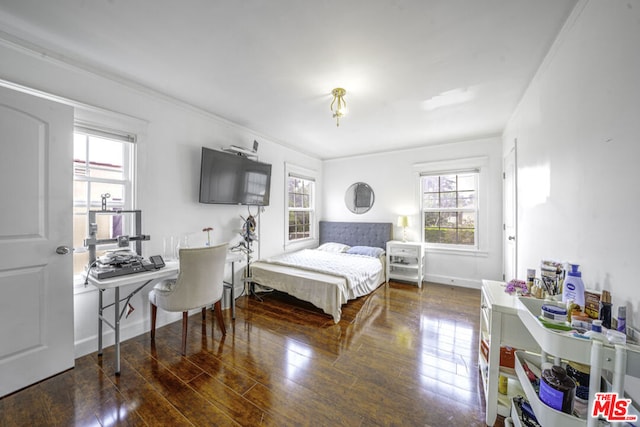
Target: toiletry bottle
[570,305]
[557,390]
[605,309]
[503,384]
[573,287]
[622,319]
[596,331]
[531,277]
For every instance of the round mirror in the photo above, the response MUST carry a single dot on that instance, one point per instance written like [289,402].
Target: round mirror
[359,198]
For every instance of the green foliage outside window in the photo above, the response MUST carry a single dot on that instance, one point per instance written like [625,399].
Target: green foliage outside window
[300,205]
[449,204]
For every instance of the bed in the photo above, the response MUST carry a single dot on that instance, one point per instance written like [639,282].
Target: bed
[348,263]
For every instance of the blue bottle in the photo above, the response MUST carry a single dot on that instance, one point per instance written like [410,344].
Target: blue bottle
[573,287]
[622,319]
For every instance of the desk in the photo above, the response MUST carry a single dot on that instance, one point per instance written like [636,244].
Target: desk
[169,271]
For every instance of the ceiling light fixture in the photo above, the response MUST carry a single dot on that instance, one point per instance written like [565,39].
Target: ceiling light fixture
[338,105]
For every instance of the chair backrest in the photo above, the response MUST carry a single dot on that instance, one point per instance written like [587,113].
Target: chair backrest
[200,280]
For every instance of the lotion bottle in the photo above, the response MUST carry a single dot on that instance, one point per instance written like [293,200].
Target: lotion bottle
[573,287]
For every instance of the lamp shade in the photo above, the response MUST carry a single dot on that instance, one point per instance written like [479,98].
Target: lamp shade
[403,221]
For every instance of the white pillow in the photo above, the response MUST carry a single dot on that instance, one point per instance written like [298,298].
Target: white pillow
[333,247]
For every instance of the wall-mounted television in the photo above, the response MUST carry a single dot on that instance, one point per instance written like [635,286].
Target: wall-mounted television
[232,179]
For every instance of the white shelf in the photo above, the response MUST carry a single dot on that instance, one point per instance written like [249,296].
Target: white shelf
[404,277]
[557,343]
[545,415]
[413,266]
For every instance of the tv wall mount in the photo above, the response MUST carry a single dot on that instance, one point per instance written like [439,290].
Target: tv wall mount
[240,151]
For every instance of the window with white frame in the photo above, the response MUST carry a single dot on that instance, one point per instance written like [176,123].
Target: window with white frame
[450,208]
[102,165]
[300,205]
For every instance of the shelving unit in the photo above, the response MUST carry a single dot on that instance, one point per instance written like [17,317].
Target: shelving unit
[619,360]
[405,261]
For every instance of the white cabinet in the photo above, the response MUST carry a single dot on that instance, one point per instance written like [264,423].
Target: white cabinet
[500,326]
[405,261]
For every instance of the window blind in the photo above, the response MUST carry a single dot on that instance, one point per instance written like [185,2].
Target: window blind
[104,133]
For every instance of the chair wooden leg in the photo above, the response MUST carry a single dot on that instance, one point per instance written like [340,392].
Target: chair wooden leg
[204,313]
[218,309]
[154,311]
[185,320]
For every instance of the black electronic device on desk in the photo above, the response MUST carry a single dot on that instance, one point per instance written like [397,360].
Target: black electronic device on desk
[123,262]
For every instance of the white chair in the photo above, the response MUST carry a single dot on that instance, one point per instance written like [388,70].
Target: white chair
[198,285]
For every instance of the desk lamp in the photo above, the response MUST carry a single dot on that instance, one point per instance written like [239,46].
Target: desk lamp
[403,221]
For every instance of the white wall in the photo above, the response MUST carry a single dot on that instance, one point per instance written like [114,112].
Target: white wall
[394,180]
[577,131]
[168,170]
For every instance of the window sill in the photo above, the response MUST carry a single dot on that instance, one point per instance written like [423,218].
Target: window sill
[79,287]
[472,252]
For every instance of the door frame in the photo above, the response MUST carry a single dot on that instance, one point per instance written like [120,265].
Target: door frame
[510,210]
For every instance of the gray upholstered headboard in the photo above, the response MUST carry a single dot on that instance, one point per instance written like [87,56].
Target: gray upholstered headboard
[375,234]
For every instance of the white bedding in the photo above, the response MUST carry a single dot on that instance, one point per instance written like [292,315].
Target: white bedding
[325,279]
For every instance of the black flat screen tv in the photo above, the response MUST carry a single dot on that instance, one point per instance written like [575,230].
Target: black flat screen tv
[231,179]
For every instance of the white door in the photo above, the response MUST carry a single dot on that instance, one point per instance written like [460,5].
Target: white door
[36,284]
[510,204]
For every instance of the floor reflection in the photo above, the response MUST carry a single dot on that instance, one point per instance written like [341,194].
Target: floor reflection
[446,360]
[297,358]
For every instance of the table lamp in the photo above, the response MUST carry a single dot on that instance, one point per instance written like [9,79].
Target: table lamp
[403,221]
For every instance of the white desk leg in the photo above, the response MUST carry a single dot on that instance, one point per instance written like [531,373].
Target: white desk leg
[100,291]
[233,286]
[117,328]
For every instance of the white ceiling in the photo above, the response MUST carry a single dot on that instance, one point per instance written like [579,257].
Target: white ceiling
[270,65]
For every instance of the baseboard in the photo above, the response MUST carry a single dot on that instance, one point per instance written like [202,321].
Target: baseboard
[90,344]
[455,281]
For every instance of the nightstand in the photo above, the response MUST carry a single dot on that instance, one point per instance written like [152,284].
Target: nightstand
[405,261]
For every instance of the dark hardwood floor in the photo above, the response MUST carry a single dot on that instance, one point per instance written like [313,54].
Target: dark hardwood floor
[400,356]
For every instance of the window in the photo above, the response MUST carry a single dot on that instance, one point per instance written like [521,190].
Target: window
[102,163]
[300,196]
[300,205]
[450,208]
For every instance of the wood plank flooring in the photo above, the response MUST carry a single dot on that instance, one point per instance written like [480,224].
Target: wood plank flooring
[401,356]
